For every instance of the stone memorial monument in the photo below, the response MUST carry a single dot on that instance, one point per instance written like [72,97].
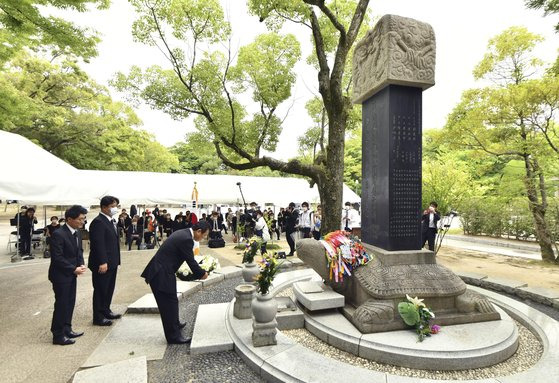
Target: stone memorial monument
[392,65]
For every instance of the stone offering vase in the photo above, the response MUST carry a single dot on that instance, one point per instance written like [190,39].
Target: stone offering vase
[264,308]
[250,272]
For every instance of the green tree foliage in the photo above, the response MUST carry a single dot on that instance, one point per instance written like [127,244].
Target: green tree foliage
[197,155]
[209,83]
[549,7]
[352,160]
[514,119]
[55,104]
[23,23]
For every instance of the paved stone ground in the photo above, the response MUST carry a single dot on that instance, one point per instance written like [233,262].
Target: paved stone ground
[179,366]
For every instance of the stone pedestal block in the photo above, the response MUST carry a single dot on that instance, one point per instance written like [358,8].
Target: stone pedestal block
[242,309]
[264,334]
[315,296]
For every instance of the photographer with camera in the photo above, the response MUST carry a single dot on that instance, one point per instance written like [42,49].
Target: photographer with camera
[429,221]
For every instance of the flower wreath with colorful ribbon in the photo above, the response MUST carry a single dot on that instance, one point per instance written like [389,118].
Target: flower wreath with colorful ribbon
[344,253]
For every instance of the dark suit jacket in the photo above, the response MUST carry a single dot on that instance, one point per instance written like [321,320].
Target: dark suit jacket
[130,231]
[65,255]
[425,221]
[160,271]
[105,247]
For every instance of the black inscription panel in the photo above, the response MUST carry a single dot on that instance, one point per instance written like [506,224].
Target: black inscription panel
[391,196]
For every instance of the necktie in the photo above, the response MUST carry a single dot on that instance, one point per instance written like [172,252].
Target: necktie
[114,225]
[75,235]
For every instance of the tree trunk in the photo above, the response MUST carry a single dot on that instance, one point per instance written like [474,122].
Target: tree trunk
[543,235]
[330,186]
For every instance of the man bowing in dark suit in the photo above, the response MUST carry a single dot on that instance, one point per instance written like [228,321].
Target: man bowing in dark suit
[104,258]
[160,274]
[66,263]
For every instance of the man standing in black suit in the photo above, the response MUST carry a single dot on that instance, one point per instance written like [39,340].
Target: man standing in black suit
[104,258]
[160,274]
[66,264]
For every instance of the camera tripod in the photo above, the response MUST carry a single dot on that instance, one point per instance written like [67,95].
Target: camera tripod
[444,226]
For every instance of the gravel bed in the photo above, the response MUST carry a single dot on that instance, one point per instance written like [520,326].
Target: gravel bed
[528,353]
[288,292]
[179,366]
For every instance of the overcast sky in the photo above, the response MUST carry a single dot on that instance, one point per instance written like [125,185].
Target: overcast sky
[462,30]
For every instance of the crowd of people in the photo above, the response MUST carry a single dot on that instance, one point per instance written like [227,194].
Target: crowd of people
[148,228]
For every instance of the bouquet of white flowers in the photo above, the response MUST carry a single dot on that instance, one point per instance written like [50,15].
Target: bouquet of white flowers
[207,263]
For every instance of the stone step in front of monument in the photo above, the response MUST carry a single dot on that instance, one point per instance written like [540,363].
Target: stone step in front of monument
[289,316]
[230,272]
[146,305]
[127,371]
[316,296]
[186,288]
[130,336]
[286,279]
[210,333]
[212,279]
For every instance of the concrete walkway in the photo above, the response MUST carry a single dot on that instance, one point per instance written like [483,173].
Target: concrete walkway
[511,248]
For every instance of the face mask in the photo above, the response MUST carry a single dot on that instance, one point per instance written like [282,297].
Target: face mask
[305,209]
[114,210]
[54,223]
[347,208]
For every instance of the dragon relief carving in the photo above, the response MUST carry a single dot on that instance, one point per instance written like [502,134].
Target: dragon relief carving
[398,50]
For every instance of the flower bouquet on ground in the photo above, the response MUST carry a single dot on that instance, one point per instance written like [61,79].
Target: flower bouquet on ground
[269,266]
[207,263]
[251,249]
[416,314]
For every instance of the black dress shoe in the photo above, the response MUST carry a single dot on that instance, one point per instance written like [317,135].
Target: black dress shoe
[180,340]
[73,334]
[112,315]
[182,325]
[103,322]
[63,341]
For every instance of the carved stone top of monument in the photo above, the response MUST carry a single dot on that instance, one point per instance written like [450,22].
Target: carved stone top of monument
[398,50]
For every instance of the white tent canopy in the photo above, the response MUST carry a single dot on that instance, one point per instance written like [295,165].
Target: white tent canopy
[32,175]
[161,188]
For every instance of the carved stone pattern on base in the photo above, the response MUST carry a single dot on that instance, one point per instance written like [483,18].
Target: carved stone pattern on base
[375,312]
[472,302]
[424,280]
[264,334]
[398,50]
